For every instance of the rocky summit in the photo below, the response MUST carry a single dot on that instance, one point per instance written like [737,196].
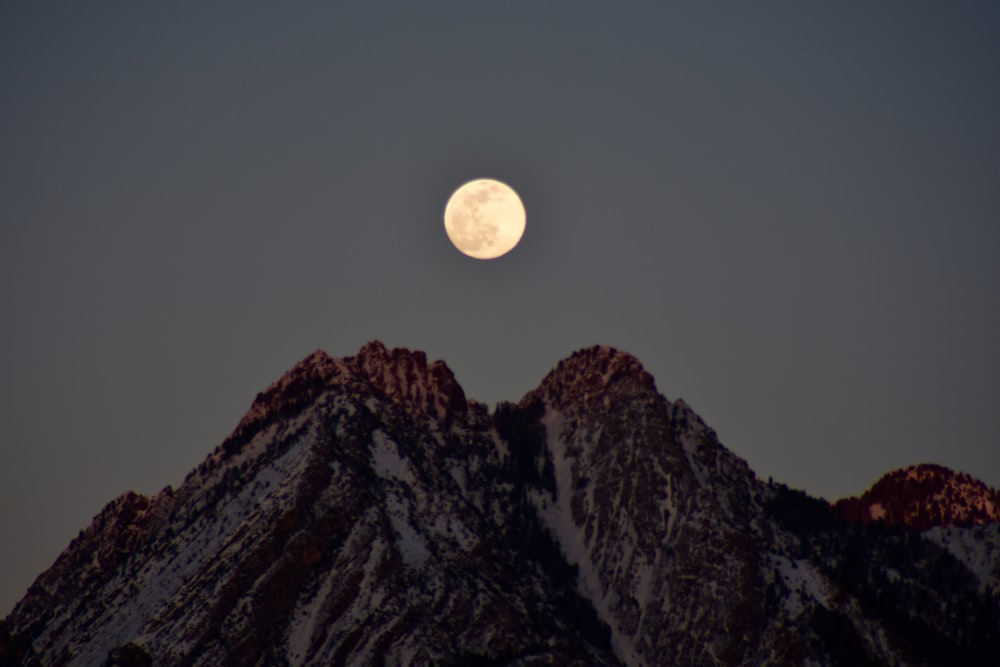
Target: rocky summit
[365,511]
[922,497]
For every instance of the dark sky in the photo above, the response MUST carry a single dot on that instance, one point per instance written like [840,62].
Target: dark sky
[790,213]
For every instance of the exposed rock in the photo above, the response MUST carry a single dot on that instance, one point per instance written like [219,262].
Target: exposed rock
[406,378]
[922,497]
[364,512]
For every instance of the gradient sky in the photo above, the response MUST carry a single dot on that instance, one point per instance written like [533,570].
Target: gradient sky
[790,213]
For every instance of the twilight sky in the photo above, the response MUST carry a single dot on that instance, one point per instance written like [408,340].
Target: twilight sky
[790,213]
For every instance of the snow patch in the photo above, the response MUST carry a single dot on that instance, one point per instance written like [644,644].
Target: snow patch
[410,543]
[387,461]
[458,474]
[978,548]
[558,517]
[804,582]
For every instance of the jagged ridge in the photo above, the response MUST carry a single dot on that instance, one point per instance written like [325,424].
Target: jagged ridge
[365,510]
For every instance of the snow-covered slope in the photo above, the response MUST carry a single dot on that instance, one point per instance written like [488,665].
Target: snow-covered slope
[365,512]
[977,548]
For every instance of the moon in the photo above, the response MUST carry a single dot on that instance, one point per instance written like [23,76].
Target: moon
[484,218]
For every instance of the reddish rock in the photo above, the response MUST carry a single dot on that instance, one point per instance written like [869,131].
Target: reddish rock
[921,497]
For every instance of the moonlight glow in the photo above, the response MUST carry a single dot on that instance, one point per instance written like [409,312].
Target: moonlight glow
[484,218]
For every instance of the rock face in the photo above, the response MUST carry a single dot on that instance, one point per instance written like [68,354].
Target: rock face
[922,497]
[364,511]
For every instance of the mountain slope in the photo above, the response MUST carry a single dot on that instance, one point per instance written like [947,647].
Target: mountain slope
[364,511]
[666,555]
[344,519]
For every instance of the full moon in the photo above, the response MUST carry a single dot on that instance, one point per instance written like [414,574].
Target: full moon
[484,218]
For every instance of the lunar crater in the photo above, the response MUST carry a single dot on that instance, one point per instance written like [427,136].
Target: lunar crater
[484,219]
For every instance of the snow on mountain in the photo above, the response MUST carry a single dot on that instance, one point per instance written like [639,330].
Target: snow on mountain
[977,548]
[633,509]
[364,511]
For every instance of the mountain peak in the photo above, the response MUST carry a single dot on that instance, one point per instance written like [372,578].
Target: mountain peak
[924,496]
[594,370]
[406,377]
[295,390]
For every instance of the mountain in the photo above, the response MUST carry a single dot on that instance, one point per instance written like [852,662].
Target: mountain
[922,497]
[365,511]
